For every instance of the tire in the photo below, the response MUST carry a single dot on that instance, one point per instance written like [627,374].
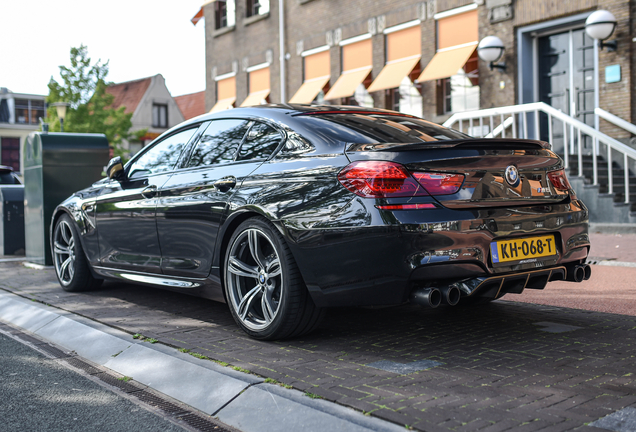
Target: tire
[71,265]
[263,286]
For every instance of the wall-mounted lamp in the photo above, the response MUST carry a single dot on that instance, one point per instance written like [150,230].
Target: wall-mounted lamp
[61,112]
[600,25]
[491,49]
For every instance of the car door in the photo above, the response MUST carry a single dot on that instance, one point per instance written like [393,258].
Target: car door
[125,212]
[193,202]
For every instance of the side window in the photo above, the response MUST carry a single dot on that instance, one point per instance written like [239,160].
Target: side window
[163,156]
[219,142]
[261,141]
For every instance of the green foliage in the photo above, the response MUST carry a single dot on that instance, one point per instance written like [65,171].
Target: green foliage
[199,356]
[84,87]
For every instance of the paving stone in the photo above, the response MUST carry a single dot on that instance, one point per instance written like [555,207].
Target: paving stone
[498,368]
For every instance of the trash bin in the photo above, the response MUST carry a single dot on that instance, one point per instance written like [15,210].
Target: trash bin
[55,166]
[12,220]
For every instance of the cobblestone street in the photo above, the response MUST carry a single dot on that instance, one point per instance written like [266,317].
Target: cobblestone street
[508,365]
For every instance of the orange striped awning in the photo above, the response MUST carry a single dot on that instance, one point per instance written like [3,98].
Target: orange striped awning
[447,62]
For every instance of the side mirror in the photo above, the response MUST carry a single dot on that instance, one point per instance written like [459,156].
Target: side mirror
[115,169]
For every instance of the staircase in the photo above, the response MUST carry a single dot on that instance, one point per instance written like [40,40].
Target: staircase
[610,208]
[604,196]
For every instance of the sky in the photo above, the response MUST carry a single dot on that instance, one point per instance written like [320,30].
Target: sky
[139,38]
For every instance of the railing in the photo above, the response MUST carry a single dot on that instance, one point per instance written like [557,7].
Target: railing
[517,118]
[615,120]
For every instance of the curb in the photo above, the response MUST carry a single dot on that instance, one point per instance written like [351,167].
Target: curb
[238,399]
[613,228]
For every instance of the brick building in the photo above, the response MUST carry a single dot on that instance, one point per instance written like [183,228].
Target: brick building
[20,115]
[417,56]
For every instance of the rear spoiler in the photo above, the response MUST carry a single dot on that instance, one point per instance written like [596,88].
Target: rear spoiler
[476,143]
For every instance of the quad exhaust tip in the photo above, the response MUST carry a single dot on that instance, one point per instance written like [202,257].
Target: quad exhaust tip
[450,295]
[428,297]
[495,287]
[580,273]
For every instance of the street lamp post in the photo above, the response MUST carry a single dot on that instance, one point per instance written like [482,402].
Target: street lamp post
[490,50]
[61,112]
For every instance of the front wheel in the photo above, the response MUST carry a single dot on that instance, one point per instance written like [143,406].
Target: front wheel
[71,265]
[263,286]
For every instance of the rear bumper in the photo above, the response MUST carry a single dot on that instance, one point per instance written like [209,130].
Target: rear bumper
[380,264]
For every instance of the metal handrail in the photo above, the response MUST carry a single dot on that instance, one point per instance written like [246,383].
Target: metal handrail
[617,121]
[501,129]
[575,127]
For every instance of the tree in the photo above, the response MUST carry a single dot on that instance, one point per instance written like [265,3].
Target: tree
[84,87]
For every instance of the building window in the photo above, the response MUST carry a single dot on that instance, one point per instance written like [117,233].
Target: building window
[256,7]
[10,152]
[406,99]
[159,115]
[224,14]
[461,91]
[28,111]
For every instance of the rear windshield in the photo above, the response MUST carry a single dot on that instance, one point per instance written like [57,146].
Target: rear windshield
[380,128]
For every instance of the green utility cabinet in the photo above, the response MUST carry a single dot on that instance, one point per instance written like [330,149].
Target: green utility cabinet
[55,166]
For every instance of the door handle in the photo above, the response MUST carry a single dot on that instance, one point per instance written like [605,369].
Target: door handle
[149,192]
[225,184]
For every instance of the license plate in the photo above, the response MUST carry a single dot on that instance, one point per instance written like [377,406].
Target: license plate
[522,249]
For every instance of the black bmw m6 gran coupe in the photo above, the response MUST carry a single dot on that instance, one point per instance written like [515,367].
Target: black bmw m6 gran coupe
[285,210]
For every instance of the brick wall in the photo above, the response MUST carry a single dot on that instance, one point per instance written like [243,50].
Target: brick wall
[314,23]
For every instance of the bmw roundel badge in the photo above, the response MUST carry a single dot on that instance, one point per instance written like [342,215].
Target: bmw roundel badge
[512,176]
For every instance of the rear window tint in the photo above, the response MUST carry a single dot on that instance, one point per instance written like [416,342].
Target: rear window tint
[379,128]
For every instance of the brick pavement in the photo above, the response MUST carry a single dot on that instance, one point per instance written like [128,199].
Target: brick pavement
[499,370]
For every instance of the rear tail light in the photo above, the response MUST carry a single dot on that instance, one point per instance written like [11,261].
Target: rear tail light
[559,180]
[440,183]
[381,179]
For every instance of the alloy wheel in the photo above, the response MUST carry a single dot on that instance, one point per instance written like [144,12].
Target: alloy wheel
[255,279]
[64,252]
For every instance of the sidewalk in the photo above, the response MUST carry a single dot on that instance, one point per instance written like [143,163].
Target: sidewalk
[511,365]
[612,287]
[238,399]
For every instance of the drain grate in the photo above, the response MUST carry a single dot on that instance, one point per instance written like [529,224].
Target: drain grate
[157,402]
[82,365]
[52,351]
[29,339]
[203,424]
[125,386]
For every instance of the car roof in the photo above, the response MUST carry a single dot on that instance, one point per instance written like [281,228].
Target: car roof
[5,168]
[278,111]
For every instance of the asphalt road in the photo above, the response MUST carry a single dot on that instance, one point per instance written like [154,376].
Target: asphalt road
[38,394]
